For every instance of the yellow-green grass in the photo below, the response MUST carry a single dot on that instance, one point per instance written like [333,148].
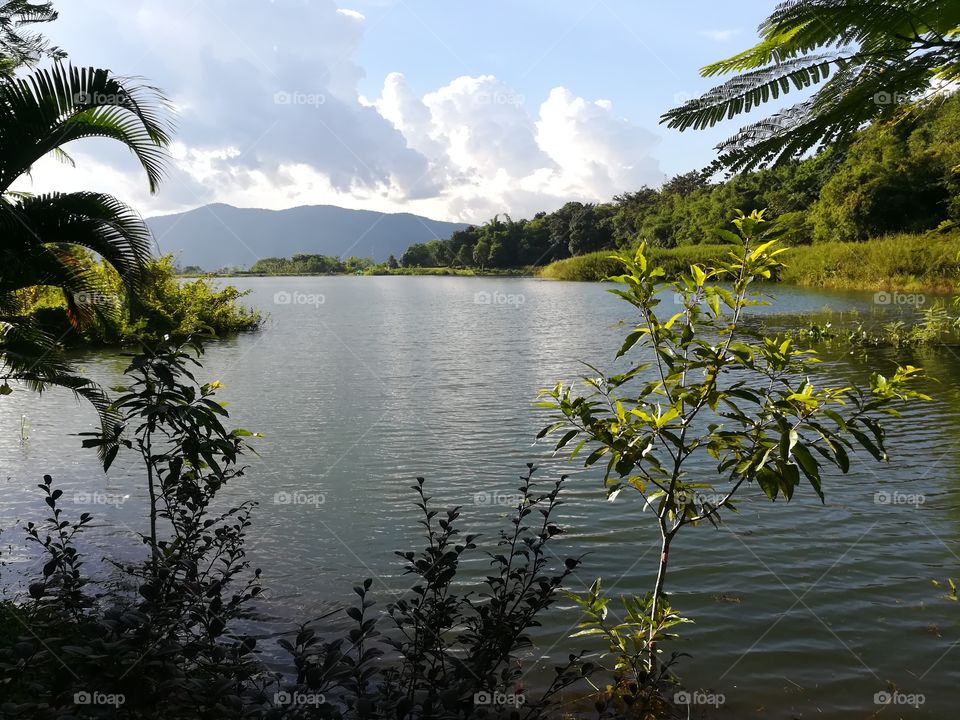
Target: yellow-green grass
[927,261]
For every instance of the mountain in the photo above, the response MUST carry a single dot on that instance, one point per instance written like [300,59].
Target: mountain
[218,236]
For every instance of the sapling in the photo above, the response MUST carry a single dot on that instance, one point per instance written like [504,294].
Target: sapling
[707,387]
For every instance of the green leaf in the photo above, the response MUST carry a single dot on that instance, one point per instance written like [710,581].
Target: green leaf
[810,467]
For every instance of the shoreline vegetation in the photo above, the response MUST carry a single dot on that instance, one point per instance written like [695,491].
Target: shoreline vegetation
[903,262]
[165,305]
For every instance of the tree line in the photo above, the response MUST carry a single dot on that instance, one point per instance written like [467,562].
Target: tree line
[893,178]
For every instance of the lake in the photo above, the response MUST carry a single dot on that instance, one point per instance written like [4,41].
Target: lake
[362,384]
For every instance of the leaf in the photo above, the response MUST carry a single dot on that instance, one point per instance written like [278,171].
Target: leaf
[566,438]
[810,467]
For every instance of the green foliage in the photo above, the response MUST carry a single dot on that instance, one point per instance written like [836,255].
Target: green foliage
[306,264]
[874,62]
[162,306]
[635,690]
[704,388]
[894,178]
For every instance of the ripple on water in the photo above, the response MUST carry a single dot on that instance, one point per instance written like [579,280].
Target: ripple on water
[394,378]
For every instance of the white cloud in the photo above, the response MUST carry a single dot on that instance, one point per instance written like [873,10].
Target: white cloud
[270,116]
[352,14]
[492,155]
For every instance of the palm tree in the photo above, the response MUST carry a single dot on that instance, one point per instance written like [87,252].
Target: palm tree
[873,59]
[40,235]
[18,45]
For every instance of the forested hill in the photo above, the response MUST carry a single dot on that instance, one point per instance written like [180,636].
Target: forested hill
[896,178]
[222,236]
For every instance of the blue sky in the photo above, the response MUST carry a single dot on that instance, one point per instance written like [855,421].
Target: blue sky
[641,55]
[449,109]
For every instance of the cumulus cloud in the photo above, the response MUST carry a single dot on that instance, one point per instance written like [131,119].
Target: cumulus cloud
[492,154]
[270,115]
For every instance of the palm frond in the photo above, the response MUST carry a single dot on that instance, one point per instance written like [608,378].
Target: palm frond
[96,221]
[49,108]
[869,57]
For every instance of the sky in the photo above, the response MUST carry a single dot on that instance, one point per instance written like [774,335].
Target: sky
[449,109]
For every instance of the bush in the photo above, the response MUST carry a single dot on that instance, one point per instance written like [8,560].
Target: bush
[592,267]
[165,305]
[601,265]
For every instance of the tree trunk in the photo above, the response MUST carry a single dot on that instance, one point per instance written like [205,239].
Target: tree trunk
[657,600]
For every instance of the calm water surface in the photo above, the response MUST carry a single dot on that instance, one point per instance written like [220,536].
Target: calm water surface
[802,610]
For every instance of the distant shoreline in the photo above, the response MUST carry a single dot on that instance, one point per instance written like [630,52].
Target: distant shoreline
[400,272]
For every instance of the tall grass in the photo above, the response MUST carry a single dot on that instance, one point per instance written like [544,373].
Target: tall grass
[905,262]
[925,261]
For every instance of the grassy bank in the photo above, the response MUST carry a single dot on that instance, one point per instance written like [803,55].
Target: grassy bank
[927,261]
[459,272]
